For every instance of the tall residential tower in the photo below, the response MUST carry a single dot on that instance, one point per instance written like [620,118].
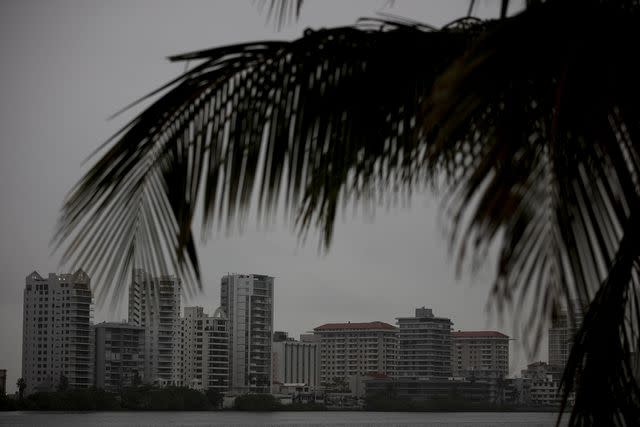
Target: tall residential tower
[56,335]
[154,304]
[204,350]
[247,299]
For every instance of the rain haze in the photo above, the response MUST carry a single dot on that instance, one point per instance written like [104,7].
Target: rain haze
[68,65]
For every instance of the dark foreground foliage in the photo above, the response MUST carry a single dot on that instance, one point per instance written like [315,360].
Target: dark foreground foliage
[142,398]
[257,402]
[382,402]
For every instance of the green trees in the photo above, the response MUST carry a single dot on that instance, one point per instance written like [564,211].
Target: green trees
[530,124]
[257,402]
[63,383]
[215,398]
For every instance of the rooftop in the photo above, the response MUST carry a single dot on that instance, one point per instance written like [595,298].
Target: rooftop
[478,334]
[349,325]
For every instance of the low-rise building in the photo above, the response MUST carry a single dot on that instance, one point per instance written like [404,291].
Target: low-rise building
[356,349]
[438,390]
[482,355]
[295,362]
[541,385]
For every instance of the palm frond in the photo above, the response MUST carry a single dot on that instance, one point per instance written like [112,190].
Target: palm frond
[535,130]
[531,120]
[280,12]
[330,115]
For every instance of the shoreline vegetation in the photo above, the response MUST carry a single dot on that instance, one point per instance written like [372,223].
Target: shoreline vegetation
[185,399]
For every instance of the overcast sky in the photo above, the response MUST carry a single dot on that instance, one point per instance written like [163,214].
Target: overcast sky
[67,65]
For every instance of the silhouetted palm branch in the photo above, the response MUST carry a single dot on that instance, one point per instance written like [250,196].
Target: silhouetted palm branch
[531,121]
[536,130]
[331,112]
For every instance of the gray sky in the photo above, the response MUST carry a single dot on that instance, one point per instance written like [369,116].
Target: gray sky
[67,65]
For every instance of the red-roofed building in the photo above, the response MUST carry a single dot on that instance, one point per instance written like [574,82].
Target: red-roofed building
[478,334]
[348,349]
[349,325]
[480,354]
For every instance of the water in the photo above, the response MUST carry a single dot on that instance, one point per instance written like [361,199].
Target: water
[307,419]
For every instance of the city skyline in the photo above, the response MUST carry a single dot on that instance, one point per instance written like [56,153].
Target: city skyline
[374,266]
[165,344]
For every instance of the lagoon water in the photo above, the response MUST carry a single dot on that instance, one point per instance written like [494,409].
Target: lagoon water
[306,419]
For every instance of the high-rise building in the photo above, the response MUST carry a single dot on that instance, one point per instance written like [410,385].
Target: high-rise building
[295,362]
[348,349]
[56,335]
[204,350]
[154,304]
[480,354]
[563,328]
[247,299]
[424,345]
[119,360]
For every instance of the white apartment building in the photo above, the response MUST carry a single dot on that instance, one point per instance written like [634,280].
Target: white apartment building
[154,304]
[204,350]
[56,335]
[119,351]
[247,299]
[348,349]
[482,355]
[424,346]
[296,362]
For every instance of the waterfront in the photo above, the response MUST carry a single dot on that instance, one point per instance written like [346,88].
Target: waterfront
[315,419]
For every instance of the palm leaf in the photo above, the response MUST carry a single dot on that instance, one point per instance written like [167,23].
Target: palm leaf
[535,130]
[531,121]
[330,115]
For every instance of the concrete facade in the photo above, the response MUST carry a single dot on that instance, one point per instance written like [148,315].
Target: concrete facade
[424,346]
[296,362]
[204,350]
[481,355]
[154,304]
[56,337]
[119,355]
[348,349]
[247,299]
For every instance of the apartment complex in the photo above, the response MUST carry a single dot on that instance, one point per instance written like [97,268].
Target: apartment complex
[564,326]
[295,362]
[356,349]
[480,354]
[119,350]
[247,299]
[56,336]
[204,350]
[424,345]
[154,304]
